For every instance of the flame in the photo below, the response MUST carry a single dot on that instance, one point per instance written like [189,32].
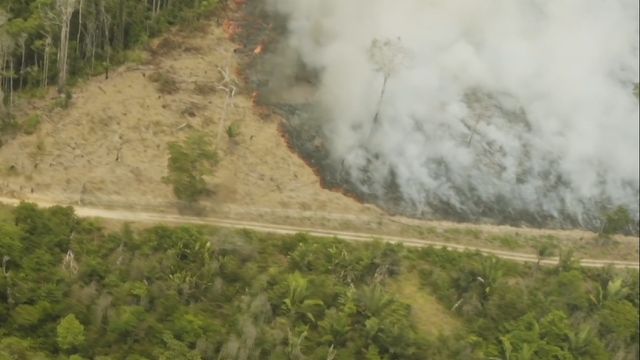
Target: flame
[258,49]
[230,27]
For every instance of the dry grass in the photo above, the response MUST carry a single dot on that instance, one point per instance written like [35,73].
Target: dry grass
[204,88]
[165,83]
[166,45]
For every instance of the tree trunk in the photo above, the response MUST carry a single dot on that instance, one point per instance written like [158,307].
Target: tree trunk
[45,64]
[23,40]
[2,81]
[107,43]
[11,84]
[121,27]
[66,8]
[79,26]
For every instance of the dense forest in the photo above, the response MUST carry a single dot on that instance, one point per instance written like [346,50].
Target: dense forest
[47,42]
[72,289]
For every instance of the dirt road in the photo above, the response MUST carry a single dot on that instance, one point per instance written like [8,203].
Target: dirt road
[157,218]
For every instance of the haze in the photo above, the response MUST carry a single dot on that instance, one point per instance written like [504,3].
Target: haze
[529,103]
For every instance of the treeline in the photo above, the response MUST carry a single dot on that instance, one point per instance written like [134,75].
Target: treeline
[71,290]
[44,42]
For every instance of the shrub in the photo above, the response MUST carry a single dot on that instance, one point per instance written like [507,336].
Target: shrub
[188,163]
[30,125]
[233,130]
[616,221]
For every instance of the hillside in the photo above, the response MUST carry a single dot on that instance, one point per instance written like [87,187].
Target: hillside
[110,145]
[170,191]
[109,148]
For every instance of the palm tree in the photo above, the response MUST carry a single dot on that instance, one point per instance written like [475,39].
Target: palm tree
[374,301]
[579,341]
[297,305]
[614,290]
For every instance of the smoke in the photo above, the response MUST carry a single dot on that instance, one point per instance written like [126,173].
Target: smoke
[527,105]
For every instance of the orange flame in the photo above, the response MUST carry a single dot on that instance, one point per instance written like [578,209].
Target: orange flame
[230,27]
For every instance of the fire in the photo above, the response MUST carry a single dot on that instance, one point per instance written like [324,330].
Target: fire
[230,27]
[258,49]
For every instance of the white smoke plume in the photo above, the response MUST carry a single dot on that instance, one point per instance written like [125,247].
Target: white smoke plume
[526,102]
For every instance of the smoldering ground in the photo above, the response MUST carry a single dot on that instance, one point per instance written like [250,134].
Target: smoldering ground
[496,110]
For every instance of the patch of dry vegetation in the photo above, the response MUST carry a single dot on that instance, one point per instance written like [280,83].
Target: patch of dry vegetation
[165,84]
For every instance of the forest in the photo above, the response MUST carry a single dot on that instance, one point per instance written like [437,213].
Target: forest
[74,288]
[57,42]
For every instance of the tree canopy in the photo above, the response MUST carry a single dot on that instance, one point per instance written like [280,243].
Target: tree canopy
[71,289]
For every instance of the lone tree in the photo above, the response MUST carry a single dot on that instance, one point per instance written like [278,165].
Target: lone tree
[70,333]
[387,56]
[188,163]
[616,221]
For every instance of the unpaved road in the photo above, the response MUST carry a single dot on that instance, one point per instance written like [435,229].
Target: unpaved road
[157,218]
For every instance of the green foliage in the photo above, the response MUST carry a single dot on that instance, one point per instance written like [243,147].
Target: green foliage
[544,249]
[620,317]
[204,293]
[616,221]
[188,163]
[70,333]
[107,34]
[233,130]
[64,100]
[30,125]
[506,241]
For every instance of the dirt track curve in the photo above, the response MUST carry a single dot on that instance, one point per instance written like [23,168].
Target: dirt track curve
[149,217]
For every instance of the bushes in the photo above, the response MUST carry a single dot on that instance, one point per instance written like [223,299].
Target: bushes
[233,130]
[201,293]
[189,162]
[30,125]
[616,221]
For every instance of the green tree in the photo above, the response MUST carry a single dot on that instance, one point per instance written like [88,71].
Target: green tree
[174,349]
[70,333]
[620,320]
[188,163]
[616,221]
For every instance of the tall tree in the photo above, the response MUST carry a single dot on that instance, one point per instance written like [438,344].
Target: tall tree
[64,9]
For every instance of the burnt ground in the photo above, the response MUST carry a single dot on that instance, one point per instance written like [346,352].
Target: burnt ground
[258,34]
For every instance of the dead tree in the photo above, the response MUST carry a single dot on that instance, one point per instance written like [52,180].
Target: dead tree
[228,85]
[387,56]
